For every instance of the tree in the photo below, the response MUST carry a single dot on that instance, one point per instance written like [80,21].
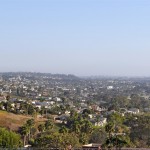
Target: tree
[7,106]
[24,130]
[86,126]
[63,100]
[83,138]
[28,108]
[117,134]
[41,127]
[56,140]
[116,118]
[63,130]
[75,127]
[140,125]
[9,139]
[148,142]
[48,125]
[30,123]
[98,136]
[8,97]
[109,128]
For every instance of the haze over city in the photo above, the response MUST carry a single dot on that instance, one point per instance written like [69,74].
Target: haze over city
[81,37]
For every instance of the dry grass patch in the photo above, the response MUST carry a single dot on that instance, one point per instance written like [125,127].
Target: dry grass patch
[12,121]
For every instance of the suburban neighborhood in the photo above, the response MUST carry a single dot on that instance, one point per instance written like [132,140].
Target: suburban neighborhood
[59,98]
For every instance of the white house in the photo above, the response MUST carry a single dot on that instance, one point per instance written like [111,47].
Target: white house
[133,111]
[102,122]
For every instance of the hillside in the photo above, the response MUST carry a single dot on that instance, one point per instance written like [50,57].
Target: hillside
[12,121]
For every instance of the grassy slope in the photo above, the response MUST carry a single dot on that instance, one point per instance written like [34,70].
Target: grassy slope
[12,121]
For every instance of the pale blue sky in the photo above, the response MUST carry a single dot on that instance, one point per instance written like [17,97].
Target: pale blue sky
[81,37]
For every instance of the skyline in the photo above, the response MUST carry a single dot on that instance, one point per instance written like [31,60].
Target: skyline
[84,38]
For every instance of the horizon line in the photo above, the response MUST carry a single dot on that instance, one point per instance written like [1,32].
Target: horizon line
[82,76]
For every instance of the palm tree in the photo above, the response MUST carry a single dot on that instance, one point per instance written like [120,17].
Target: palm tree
[41,127]
[24,131]
[30,123]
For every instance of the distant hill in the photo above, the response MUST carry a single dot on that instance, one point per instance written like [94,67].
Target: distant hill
[33,75]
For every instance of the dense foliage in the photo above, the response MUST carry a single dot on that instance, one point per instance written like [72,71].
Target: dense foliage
[9,139]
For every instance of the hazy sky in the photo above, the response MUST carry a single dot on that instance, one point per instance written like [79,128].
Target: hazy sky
[81,37]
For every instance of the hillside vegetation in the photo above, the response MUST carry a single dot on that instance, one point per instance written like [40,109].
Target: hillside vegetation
[12,121]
